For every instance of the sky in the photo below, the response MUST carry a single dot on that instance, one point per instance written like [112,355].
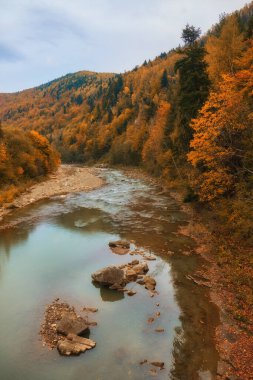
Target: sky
[41,40]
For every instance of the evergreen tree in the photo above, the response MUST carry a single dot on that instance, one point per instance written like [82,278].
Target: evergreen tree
[190,34]
[192,89]
[164,79]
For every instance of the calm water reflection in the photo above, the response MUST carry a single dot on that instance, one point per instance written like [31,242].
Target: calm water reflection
[51,251]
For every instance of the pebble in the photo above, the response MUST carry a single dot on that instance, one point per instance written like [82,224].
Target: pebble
[131,293]
[159,329]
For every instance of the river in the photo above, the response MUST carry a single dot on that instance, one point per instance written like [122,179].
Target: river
[52,249]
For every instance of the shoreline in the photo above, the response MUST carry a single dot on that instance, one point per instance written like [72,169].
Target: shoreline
[67,179]
[233,344]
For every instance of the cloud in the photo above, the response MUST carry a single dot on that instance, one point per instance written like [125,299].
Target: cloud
[44,39]
[8,54]
[51,25]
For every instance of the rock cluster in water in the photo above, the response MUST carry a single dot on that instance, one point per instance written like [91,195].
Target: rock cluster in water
[64,329]
[117,277]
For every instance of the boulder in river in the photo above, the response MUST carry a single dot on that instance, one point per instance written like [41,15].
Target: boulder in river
[70,324]
[109,276]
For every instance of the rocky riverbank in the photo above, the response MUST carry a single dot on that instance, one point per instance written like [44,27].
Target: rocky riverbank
[233,337]
[67,179]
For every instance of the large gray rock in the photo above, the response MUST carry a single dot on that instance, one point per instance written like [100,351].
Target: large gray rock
[109,276]
[70,324]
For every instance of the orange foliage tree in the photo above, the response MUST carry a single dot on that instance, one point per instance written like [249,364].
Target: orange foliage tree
[222,147]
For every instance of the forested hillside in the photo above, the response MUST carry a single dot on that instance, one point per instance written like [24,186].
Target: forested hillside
[185,116]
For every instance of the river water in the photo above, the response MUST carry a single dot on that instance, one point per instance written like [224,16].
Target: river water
[51,250]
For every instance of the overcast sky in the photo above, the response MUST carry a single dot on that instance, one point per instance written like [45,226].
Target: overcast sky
[41,40]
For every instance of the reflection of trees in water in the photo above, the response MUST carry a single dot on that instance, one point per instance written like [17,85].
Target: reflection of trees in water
[194,349]
[13,237]
[86,220]
[8,239]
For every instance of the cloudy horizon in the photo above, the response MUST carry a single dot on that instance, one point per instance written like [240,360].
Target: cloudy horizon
[43,40]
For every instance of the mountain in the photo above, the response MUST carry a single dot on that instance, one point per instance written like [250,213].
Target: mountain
[73,109]
[140,117]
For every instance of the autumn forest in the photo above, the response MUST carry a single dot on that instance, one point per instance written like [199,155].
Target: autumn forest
[185,117]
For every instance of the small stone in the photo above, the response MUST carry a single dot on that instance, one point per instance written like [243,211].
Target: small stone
[143,362]
[158,364]
[131,293]
[90,309]
[150,257]
[92,323]
[150,283]
[119,243]
[134,262]
[159,329]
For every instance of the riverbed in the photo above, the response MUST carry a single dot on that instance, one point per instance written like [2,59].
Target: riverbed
[50,250]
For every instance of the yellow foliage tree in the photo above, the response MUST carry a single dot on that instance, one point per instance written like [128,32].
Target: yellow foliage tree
[152,149]
[223,51]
